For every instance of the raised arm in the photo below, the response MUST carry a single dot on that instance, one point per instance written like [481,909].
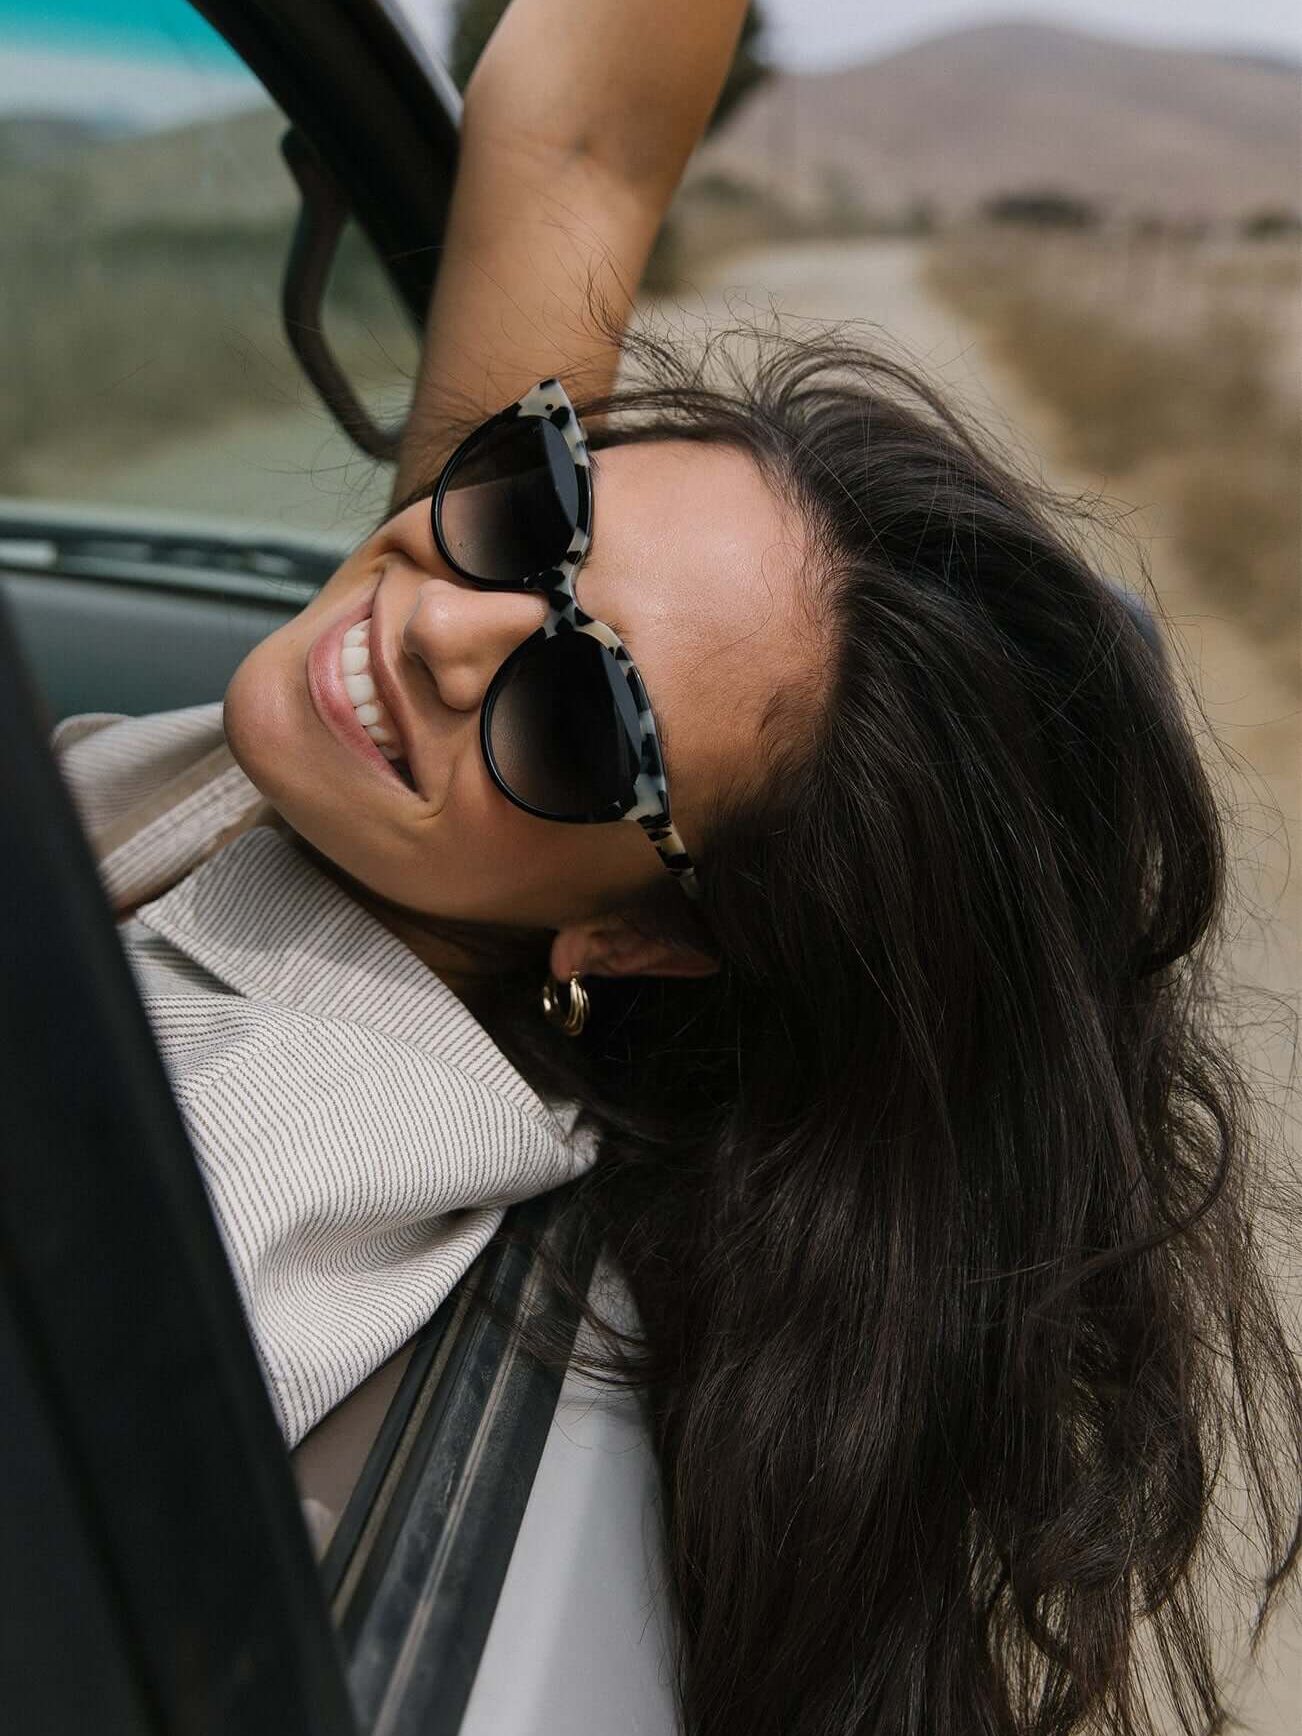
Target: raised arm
[579,119]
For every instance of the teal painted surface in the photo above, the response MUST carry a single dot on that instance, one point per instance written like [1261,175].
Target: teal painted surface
[139,29]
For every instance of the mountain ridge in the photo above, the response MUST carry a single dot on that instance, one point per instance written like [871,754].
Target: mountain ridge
[1014,105]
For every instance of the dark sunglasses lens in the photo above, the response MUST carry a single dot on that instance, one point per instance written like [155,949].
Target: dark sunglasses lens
[563,728]
[510,507]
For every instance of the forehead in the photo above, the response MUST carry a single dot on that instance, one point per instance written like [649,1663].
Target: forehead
[701,568]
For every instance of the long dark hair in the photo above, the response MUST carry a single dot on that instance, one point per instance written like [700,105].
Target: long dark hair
[937,1201]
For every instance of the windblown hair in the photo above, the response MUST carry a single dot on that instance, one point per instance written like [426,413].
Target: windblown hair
[937,1201]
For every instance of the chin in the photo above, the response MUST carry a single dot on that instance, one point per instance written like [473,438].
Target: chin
[262,721]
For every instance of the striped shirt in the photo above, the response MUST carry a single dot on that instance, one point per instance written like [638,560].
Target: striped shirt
[358,1131]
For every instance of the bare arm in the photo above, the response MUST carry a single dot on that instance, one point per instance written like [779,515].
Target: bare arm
[579,120]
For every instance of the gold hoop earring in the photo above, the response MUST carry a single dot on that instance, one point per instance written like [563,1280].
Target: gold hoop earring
[574,1017]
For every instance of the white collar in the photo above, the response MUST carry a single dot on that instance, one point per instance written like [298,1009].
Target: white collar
[263,919]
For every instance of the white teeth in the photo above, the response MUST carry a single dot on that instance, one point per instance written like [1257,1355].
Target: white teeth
[360,688]
[355,667]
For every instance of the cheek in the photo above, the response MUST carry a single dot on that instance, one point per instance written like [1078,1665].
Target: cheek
[268,717]
[537,873]
[268,714]
[482,860]
[262,713]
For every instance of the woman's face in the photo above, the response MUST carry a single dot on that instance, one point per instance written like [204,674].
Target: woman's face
[694,562]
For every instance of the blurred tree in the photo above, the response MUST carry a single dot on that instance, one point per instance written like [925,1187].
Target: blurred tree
[473,22]
[1270,224]
[1042,208]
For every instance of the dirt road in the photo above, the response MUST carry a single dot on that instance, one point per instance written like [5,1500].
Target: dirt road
[1248,720]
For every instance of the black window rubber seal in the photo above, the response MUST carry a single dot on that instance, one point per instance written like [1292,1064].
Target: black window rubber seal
[425,1545]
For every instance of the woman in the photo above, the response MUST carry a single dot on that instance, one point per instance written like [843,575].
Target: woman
[881,1034]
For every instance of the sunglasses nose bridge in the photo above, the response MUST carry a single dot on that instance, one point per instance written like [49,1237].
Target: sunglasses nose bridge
[463,634]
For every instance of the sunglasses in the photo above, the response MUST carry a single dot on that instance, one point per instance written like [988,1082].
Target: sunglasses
[565,727]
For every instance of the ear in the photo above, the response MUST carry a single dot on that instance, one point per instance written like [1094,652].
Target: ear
[608,946]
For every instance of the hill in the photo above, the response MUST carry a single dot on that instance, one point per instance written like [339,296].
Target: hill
[1015,107]
[208,173]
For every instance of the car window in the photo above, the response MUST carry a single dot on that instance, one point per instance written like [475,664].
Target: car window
[147,214]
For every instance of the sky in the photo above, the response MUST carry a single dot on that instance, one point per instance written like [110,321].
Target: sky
[156,62]
[149,28]
[152,63]
[820,33]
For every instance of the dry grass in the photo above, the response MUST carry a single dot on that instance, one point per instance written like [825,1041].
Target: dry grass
[1171,370]
[119,339]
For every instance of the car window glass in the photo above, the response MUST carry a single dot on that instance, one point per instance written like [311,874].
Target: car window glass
[369,330]
[147,215]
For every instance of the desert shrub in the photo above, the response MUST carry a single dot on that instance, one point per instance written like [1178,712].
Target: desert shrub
[1187,391]
[1044,208]
[117,338]
[1271,225]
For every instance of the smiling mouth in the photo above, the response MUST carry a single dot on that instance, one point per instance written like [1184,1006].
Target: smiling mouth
[369,709]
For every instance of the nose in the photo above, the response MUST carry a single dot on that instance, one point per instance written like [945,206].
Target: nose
[463,635]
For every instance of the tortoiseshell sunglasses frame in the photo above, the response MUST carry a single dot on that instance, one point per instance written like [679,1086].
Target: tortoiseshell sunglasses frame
[647,800]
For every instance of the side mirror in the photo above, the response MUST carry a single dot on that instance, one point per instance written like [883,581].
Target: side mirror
[1142,616]
[321,221]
